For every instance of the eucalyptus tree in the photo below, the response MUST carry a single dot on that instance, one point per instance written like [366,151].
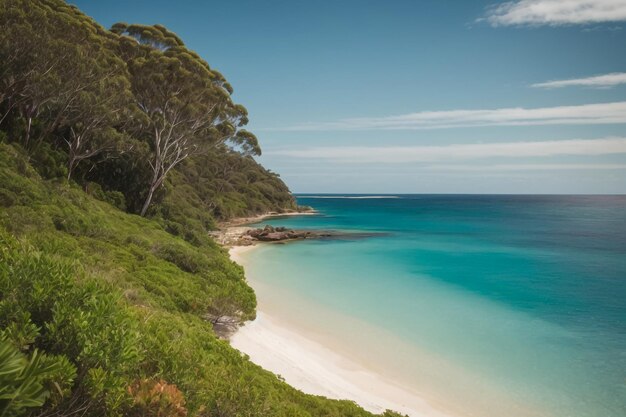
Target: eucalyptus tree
[96,121]
[187,105]
[28,59]
[60,71]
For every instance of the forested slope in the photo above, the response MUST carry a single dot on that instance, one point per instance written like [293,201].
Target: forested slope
[132,110]
[118,152]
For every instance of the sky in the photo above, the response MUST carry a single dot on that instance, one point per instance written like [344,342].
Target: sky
[410,96]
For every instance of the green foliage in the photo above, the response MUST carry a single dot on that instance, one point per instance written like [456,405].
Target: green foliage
[115,198]
[51,161]
[165,270]
[85,323]
[122,108]
[186,107]
[221,186]
[23,379]
[118,300]
[181,256]
[59,75]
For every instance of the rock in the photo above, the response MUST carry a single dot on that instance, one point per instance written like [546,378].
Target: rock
[272,237]
[278,234]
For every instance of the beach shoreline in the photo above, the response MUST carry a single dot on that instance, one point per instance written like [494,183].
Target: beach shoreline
[314,366]
[243,221]
[229,233]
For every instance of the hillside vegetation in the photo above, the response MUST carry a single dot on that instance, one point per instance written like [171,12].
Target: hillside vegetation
[119,150]
[132,110]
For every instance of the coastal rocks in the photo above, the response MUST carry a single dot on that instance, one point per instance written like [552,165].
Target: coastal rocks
[237,233]
[277,234]
[283,234]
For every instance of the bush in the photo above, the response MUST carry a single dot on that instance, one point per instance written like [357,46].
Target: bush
[114,198]
[43,306]
[156,398]
[24,379]
[184,258]
[49,161]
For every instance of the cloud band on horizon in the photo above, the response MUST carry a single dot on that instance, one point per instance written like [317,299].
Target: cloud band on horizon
[443,153]
[601,113]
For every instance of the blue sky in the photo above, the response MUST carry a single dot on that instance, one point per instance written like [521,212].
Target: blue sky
[418,96]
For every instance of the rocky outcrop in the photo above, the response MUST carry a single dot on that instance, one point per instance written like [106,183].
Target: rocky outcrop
[246,236]
[277,234]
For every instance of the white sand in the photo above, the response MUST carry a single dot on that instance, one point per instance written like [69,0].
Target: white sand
[316,369]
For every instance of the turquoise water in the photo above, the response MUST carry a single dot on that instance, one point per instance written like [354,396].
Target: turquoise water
[523,298]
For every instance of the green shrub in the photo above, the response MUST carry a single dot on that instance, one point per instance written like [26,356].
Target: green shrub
[43,305]
[24,379]
[116,300]
[181,256]
[49,161]
[115,198]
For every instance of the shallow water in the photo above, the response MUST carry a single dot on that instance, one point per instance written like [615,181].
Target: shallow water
[494,305]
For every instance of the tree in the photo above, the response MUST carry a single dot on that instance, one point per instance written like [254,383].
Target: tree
[30,56]
[59,69]
[187,105]
[95,121]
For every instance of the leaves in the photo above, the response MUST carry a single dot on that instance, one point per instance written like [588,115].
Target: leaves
[157,398]
[187,105]
[42,303]
[109,301]
[22,379]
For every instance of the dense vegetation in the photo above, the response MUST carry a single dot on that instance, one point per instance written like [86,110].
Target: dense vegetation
[118,152]
[128,109]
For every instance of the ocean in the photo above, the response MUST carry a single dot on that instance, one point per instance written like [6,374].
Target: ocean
[493,305]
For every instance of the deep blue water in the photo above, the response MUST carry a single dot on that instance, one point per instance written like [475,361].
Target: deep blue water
[525,292]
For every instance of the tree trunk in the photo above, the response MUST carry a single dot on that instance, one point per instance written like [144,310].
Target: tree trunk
[146,204]
[27,133]
[71,164]
[158,175]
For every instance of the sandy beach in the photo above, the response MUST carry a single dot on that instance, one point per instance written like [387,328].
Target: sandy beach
[229,233]
[315,368]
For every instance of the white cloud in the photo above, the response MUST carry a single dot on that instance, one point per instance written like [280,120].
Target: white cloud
[447,153]
[556,12]
[602,113]
[597,81]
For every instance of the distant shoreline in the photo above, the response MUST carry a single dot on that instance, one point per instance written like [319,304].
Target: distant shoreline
[243,221]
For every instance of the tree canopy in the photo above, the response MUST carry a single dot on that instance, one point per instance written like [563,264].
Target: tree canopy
[134,92]
[187,106]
